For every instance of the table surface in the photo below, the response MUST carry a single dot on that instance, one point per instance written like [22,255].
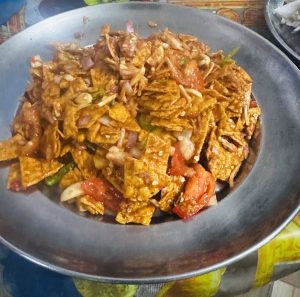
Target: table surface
[279,257]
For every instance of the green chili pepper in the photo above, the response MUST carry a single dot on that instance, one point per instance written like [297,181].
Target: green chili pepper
[56,177]
[98,94]
[228,58]
[91,147]
[144,124]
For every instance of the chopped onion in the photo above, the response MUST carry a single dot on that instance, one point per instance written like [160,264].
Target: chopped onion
[135,153]
[127,87]
[69,77]
[175,43]
[129,26]
[16,185]
[186,133]
[83,121]
[105,120]
[187,148]
[215,150]
[71,192]
[116,156]
[87,62]
[36,61]
[121,139]
[83,99]
[107,99]
[132,139]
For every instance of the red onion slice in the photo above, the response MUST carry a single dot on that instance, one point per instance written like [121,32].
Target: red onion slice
[132,140]
[129,26]
[83,121]
[87,62]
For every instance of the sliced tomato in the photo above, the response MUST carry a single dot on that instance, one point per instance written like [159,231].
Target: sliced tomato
[193,76]
[190,76]
[178,166]
[198,190]
[95,187]
[103,191]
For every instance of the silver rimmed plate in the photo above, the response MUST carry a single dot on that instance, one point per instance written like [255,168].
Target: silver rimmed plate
[55,237]
[288,40]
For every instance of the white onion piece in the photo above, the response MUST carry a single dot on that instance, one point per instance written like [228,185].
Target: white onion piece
[187,148]
[69,77]
[105,120]
[128,89]
[121,139]
[116,156]
[186,133]
[107,99]
[71,192]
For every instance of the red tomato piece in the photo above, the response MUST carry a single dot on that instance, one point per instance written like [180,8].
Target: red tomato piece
[94,187]
[178,166]
[193,76]
[198,190]
[101,190]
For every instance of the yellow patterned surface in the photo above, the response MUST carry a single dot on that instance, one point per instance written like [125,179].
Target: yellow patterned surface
[247,12]
[206,285]
[285,247]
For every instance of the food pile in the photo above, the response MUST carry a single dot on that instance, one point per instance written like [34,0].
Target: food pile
[130,125]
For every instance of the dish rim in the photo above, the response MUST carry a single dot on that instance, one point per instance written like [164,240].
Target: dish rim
[159,279]
[268,12]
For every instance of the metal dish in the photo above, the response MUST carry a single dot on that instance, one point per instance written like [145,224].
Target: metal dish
[288,40]
[51,235]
